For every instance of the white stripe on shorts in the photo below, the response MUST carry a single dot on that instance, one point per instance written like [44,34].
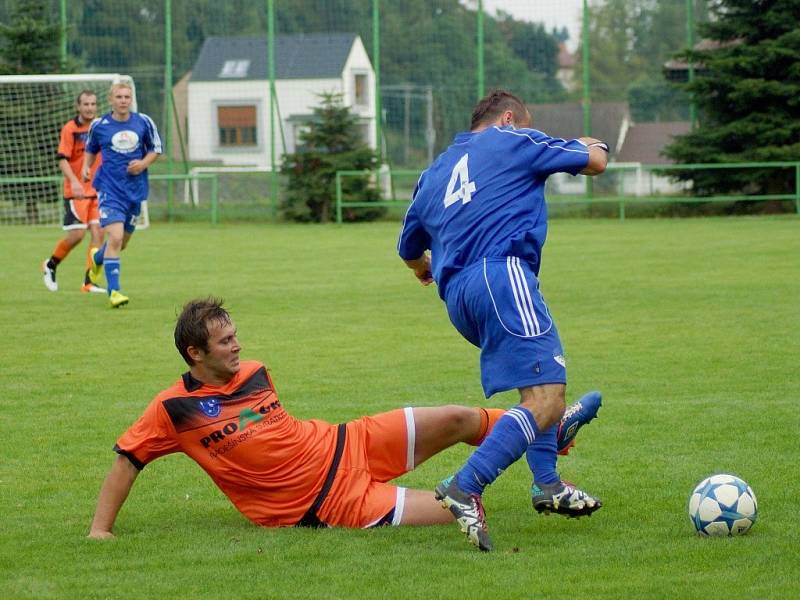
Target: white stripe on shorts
[537,329]
[399,506]
[512,278]
[411,437]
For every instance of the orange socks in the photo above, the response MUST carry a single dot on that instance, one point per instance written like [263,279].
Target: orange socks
[489,417]
[61,250]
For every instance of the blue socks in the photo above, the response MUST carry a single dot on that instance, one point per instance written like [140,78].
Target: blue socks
[542,456]
[508,441]
[98,256]
[112,268]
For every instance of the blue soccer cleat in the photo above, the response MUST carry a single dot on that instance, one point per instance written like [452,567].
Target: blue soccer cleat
[576,416]
[468,512]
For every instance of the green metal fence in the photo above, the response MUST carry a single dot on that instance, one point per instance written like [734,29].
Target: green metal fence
[616,195]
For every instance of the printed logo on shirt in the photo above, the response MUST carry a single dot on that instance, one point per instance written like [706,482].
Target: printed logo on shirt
[125,141]
[210,407]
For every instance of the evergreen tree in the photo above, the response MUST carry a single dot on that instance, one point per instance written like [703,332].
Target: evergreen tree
[30,40]
[748,93]
[331,143]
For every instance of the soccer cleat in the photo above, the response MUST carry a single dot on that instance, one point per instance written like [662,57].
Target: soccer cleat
[95,271]
[90,287]
[576,416]
[49,277]
[468,511]
[116,299]
[563,498]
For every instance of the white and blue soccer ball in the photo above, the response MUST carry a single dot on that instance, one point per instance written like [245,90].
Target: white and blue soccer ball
[722,505]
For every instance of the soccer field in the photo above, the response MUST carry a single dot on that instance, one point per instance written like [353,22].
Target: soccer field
[690,328]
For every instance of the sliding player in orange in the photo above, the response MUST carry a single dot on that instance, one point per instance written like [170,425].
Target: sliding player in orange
[80,198]
[277,470]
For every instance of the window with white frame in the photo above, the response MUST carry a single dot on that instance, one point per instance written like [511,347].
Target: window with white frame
[360,89]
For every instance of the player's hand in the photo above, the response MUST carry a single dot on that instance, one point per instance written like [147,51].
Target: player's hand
[85,174]
[135,167]
[100,535]
[77,189]
[422,271]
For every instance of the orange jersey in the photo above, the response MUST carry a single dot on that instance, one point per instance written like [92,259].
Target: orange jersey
[72,147]
[269,464]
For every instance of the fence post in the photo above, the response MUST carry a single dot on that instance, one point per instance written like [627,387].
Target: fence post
[797,187]
[214,200]
[272,103]
[690,44]
[338,198]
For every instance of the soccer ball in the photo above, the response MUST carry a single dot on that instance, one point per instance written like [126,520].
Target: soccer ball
[722,505]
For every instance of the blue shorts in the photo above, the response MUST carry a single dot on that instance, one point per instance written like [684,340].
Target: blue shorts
[114,209]
[496,305]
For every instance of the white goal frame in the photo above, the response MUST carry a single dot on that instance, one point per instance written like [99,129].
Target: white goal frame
[143,222]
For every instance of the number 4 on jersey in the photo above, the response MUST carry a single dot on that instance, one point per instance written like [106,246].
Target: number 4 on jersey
[460,187]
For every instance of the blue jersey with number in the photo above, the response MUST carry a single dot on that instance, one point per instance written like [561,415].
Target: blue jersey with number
[120,142]
[484,197]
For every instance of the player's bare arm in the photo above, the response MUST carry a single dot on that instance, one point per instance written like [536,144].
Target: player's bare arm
[74,182]
[88,161]
[112,496]
[598,156]
[135,167]
[422,268]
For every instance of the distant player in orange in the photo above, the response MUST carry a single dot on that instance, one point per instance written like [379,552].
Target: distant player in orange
[277,470]
[80,198]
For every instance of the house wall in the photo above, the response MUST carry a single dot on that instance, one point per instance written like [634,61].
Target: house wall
[296,98]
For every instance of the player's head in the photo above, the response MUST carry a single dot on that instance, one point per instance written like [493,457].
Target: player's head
[121,97]
[502,108]
[86,105]
[206,337]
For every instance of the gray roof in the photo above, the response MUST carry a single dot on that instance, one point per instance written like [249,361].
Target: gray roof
[644,142]
[297,56]
[565,120]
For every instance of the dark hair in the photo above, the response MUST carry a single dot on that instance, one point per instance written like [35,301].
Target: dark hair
[86,92]
[494,104]
[191,328]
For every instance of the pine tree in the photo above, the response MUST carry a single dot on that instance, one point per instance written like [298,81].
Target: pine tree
[30,40]
[748,93]
[331,143]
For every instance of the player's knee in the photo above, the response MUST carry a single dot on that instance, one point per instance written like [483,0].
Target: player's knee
[461,420]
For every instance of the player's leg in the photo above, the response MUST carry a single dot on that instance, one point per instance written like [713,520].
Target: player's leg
[112,266]
[422,508]
[75,230]
[440,427]
[91,278]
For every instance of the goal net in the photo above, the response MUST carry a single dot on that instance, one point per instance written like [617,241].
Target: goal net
[33,109]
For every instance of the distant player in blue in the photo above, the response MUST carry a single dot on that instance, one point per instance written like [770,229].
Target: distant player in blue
[480,210]
[129,143]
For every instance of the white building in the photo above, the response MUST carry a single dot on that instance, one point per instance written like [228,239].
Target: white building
[227,111]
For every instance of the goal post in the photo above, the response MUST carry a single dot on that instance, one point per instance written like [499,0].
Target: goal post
[33,109]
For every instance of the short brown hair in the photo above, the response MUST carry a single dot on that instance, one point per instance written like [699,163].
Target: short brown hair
[86,92]
[191,328]
[494,104]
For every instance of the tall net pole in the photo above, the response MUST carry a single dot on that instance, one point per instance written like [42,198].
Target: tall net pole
[376,57]
[167,98]
[272,102]
[690,44]
[481,74]
[587,96]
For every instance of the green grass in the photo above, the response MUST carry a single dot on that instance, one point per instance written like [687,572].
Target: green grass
[690,328]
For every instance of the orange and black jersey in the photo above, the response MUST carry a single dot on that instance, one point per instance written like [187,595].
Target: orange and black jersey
[72,147]
[269,464]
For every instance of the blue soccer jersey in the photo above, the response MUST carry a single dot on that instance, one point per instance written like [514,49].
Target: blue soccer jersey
[484,197]
[120,142]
